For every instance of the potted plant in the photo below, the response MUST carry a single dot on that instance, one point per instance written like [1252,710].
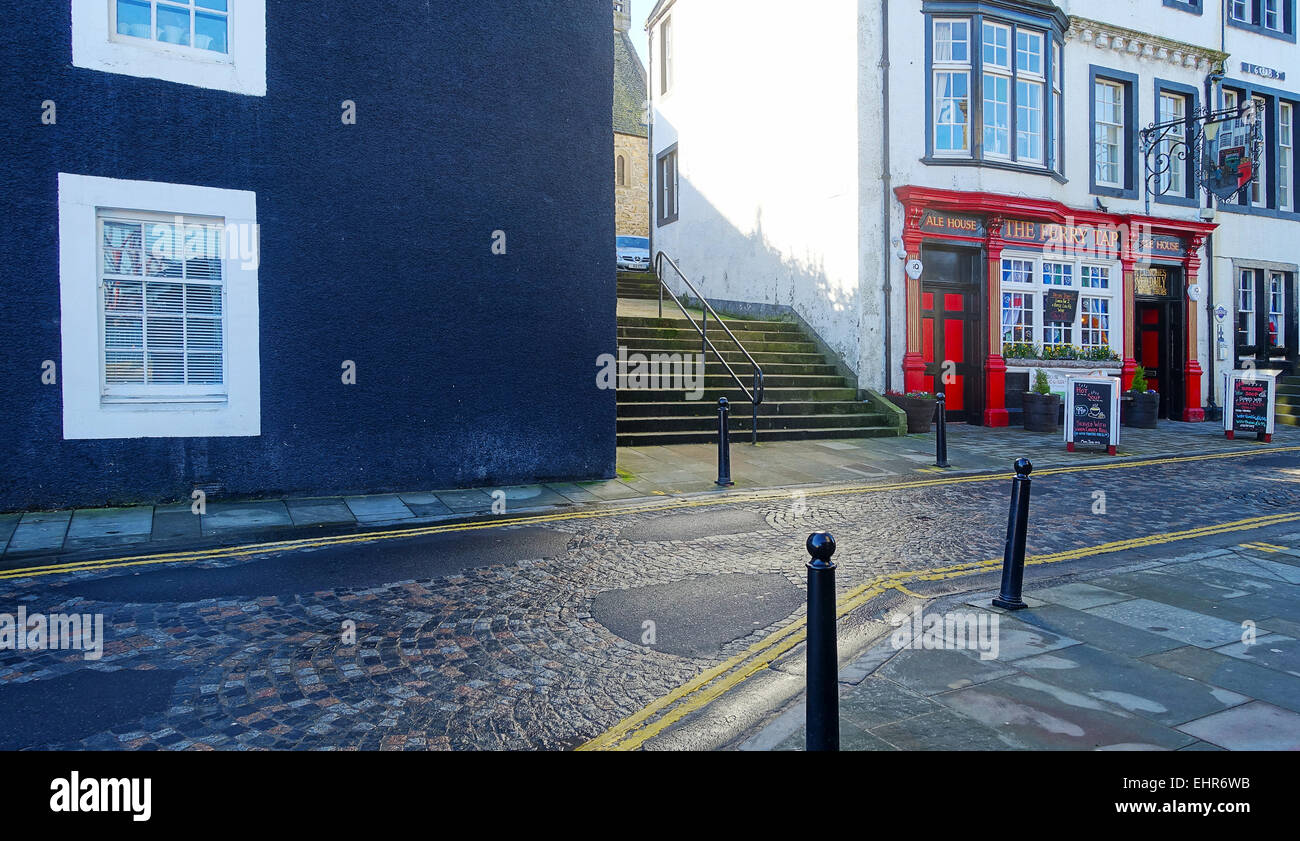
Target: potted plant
[919,406]
[1041,407]
[1143,405]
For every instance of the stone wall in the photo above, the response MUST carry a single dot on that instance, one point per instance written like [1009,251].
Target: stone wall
[632,213]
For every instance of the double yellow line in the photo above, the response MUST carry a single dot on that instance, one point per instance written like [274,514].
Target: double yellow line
[635,730]
[247,550]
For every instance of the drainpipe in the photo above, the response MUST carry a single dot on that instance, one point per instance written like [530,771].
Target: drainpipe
[886,249]
[651,175]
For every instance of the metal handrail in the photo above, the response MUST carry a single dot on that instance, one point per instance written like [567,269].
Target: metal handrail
[756,395]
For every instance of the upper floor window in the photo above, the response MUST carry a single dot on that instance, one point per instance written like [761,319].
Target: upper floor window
[217,44]
[1109,122]
[666,47]
[1275,18]
[666,184]
[1173,108]
[988,92]
[1286,156]
[1273,183]
[202,24]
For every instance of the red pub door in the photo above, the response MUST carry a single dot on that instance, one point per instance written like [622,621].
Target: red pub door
[950,331]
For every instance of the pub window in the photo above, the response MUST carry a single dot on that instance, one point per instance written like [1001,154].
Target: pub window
[1058,274]
[1018,317]
[1094,277]
[1057,335]
[1095,322]
[1246,308]
[1276,307]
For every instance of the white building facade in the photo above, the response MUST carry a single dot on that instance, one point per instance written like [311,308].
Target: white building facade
[805,157]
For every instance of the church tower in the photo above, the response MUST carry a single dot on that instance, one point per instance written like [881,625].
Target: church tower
[622,15]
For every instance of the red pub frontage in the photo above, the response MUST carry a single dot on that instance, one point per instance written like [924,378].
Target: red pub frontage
[1001,271]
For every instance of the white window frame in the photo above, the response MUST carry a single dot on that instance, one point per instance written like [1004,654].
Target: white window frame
[1120,152]
[1000,76]
[1285,156]
[1246,303]
[1277,306]
[1086,331]
[1032,284]
[1175,178]
[1239,10]
[97,46]
[955,68]
[1274,8]
[90,413]
[667,59]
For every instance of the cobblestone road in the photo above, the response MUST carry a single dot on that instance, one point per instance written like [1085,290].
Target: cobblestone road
[252,653]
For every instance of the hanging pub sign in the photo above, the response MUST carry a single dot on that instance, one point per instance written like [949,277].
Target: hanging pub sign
[1060,305]
[1092,412]
[1250,396]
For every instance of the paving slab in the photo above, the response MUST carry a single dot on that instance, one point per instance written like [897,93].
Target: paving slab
[1080,596]
[932,672]
[314,512]
[40,531]
[380,508]
[1131,685]
[1273,651]
[236,516]
[943,730]
[90,523]
[1098,631]
[1042,716]
[1173,622]
[180,524]
[465,501]
[8,522]
[1253,726]
[1256,567]
[876,702]
[1232,673]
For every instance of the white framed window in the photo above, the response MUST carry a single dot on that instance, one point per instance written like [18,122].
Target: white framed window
[666,55]
[997,90]
[1246,308]
[1031,84]
[1094,322]
[1173,107]
[159,310]
[216,44]
[1094,277]
[1273,15]
[1285,155]
[1239,10]
[952,93]
[1276,308]
[1023,317]
[1058,274]
[1109,142]
[1018,317]
[201,24]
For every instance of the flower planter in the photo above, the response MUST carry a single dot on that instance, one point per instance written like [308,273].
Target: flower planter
[1141,410]
[1041,411]
[920,413]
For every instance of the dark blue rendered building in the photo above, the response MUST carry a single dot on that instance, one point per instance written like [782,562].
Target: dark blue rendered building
[302,247]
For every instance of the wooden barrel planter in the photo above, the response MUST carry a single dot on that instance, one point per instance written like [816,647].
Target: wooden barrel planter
[1141,410]
[1041,412]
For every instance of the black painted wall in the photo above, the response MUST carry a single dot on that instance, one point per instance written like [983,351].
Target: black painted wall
[376,247]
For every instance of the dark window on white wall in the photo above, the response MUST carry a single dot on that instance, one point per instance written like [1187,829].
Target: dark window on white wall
[666,181]
[1113,113]
[1274,18]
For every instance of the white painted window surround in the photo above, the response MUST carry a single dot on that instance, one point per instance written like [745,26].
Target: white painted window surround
[90,413]
[97,46]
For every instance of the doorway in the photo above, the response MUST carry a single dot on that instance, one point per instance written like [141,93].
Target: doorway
[951,330]
[1160,351]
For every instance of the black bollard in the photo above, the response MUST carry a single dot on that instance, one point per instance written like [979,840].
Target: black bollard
[823,720]
[1013,560]
[941,432]
[724,444]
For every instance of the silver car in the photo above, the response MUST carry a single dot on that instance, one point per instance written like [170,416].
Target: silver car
[633,253]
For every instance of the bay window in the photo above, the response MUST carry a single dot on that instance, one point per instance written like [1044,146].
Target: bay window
[989,97]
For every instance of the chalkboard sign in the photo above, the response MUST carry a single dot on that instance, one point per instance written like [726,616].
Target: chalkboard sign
[1060,305]
[1092,412]
[1251,396]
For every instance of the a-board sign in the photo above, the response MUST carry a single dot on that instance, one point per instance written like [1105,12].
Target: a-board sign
[1092,412]
[1060,305]
[1251,396]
